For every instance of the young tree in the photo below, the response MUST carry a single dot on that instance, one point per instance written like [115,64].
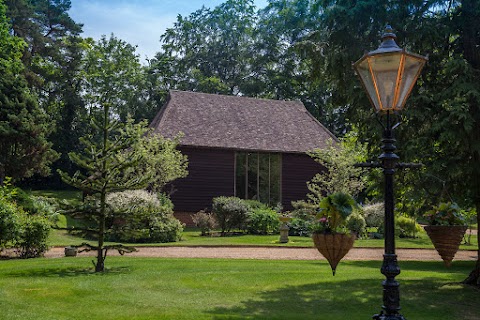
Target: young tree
[109,151]
[340,174]
[118,155]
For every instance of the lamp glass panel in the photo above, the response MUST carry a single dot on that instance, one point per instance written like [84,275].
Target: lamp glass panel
[385,68]
[412,67]
[363,71]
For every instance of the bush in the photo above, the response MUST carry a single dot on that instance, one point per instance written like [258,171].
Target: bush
[303,218]
[230,213]
[9,223]
[33,237]
[262,221]
[140,217]
[407,227]
[205,221]
[356,223]
[374,214]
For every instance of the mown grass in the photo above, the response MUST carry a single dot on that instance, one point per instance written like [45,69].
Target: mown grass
[154,288]
[191,237]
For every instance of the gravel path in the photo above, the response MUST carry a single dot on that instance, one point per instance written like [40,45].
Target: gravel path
[275,253]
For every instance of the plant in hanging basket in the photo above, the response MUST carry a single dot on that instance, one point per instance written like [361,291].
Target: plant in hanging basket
[330,235]
[446,229]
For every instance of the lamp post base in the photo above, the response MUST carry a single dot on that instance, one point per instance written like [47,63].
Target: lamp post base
[383,316]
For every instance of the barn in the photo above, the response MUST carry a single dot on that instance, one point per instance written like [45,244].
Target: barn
[240,146]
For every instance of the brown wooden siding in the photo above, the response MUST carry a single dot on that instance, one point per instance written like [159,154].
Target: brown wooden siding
[297,170]
[210,174]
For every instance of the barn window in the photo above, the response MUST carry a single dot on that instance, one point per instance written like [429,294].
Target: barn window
[258,176]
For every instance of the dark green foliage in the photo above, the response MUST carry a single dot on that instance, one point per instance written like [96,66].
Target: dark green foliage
[230,213]
[24,127]
[141,217]
[262,221]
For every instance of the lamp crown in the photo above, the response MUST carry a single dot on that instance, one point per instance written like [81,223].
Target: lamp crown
[388,33]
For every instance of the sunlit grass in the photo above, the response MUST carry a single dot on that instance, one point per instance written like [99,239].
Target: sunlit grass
[154,288]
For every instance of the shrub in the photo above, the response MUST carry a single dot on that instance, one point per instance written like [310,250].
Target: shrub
[230,213]
[356,223]
[33,236]
[262,221]
[9,223]
[205,221]
[374,214]
[303,218]
[140,216]
[407,227]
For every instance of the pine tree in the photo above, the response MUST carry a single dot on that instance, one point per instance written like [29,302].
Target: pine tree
[24,127]
[108,163]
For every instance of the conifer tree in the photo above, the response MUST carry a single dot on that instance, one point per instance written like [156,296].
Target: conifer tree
[110,155]
[24,127]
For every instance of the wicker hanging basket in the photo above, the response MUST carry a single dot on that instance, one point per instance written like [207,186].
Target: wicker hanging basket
[446,240]
[333,246]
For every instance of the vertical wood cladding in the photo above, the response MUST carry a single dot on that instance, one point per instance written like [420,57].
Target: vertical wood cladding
[210,174]
[297,170]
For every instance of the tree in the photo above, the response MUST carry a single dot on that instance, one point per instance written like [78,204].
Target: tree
[111,65]
[118,155]
[442,114]
[211,50]
[340,174]
[24,127]
[109,151]
[161,159]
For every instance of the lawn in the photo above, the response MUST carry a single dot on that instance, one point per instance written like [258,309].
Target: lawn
[191,237]
[154,288]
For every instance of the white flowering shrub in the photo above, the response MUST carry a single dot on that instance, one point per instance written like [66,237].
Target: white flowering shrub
[138,216]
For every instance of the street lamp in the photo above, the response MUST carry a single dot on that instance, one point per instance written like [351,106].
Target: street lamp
[388,74]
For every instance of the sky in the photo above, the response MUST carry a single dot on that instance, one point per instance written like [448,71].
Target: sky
[138,22]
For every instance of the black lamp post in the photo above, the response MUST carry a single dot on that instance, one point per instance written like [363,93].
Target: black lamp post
[388,74]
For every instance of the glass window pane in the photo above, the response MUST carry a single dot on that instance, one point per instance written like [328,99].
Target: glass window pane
[275,179]
[240,178]
[363,70]
[385,68]
[252,176]
[264,177]
[411,70]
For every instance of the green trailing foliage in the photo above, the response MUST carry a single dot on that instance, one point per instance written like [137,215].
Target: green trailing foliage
[446,214]
[332,213]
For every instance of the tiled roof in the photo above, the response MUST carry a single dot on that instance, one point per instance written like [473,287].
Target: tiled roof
[241,123]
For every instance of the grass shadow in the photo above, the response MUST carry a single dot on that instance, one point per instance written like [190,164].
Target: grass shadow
[424,299]
[67,272]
